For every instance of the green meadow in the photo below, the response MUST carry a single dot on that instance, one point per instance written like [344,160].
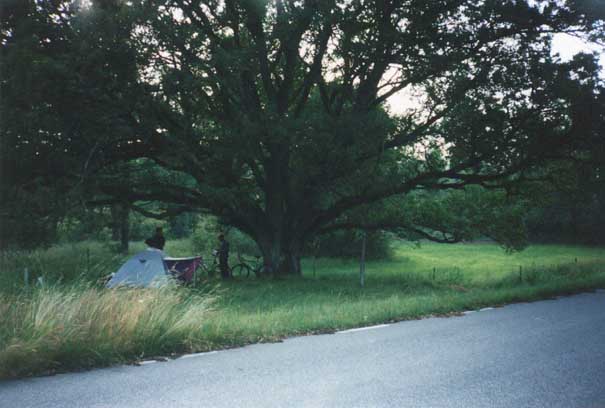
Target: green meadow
[63,319]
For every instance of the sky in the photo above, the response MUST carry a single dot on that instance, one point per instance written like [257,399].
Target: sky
[563,44]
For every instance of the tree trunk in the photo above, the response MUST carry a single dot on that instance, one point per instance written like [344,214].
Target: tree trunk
[280,258]
[115,222]
[291,261]
[271,251]
[124,227]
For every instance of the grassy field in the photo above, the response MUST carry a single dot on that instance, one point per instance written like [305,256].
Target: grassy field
[69,322]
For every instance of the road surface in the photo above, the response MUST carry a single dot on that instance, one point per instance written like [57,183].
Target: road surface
[542,354]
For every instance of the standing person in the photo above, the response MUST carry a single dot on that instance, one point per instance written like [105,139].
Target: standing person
[223,256]
[157,241]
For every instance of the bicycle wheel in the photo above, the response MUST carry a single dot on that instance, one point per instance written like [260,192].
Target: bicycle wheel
[209,270]
[241,271]
[261,270]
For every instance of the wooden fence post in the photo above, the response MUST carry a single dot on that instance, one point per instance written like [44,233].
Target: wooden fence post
[362,266]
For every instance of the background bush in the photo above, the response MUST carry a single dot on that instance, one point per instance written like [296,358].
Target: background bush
[347,244]
[204,238]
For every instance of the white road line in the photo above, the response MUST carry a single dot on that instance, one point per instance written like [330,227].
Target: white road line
[486,308]
[147,362]
[378,326]
[198,354]
[469,312]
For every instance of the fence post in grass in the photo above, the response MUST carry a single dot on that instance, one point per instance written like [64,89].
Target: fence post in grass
[316,245]
[362,265]
[434,273]
[26,276]
[520,273]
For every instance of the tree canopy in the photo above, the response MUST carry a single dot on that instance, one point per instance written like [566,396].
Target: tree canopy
[271,114]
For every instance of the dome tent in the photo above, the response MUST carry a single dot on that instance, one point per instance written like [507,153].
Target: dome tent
[150,268]
[145,269]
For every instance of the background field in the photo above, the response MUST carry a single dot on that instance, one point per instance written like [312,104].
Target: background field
[63,319]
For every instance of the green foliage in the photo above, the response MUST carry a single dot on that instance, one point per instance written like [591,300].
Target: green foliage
[275,121]
[205,237]
[570,206]
[447,216]
[347,244]
[93,224]
[88,224]
[68,81]
[240,242]
[142,227]
[28,217]
[182,226]
[22,230]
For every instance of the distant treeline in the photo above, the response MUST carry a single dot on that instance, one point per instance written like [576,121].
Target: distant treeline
[561,219]
[566,220]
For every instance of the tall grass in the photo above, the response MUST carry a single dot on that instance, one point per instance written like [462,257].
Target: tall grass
[86,261]
[82,326]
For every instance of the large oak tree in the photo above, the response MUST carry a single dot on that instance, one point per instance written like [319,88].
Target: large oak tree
[271,114]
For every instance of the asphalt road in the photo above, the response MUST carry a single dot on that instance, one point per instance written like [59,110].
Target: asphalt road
[543,354]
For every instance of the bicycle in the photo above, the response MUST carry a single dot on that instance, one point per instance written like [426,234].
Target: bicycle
[245,266]
[211,269]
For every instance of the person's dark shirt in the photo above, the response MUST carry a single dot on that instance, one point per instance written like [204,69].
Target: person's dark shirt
[223,251]
[156,241]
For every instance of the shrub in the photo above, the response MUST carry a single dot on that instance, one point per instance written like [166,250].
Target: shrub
[181,226]
[142,227]
[204,238]
[84,261]
[242,243]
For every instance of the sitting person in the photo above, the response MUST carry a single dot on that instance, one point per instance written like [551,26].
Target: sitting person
[157,241]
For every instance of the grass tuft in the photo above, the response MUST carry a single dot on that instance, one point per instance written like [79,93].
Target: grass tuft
[82,326]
